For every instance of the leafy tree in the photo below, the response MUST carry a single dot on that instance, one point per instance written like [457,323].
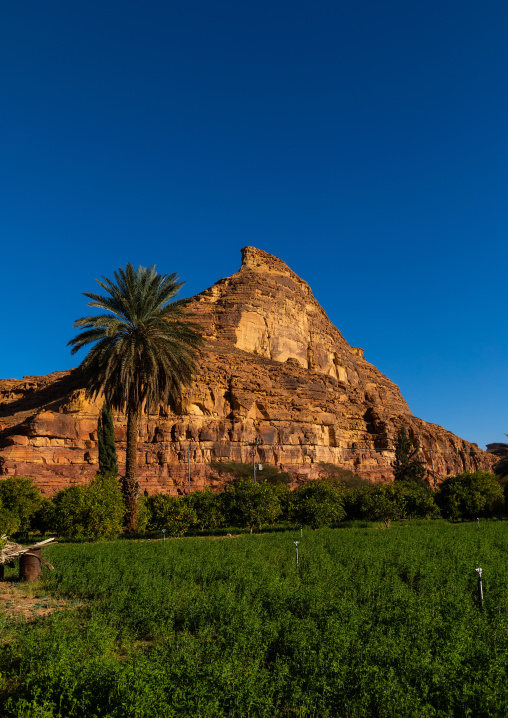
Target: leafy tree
[143,353]
[21,498]
[95,510]
[44,518]
[208,508]
[69,518]
[406,466]
[501,468]
[382,502]
[105,510]
[108,462]
[317,503]
[170,513]
[419,500]
[469,495]
[9,522]
[250,504]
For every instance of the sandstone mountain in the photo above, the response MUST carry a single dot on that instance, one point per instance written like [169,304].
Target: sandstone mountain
[273,367]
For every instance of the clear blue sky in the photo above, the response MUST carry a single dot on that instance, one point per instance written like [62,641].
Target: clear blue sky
[364,143]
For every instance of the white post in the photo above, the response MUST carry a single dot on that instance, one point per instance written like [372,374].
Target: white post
[297,561]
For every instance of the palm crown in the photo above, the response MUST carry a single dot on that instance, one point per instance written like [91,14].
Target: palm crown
[144,348]
[143,353]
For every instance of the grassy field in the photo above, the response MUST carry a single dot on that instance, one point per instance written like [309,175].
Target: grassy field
[374,623]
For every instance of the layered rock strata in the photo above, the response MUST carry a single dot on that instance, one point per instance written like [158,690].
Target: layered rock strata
[273,367]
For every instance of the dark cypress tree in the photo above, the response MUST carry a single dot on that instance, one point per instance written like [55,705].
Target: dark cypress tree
[501,468]
[108,463]
[406,466]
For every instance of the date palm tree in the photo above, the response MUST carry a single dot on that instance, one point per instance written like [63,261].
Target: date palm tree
[144,352]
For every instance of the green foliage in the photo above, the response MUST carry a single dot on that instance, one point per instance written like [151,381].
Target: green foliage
[94,510]
[469,495]
[346,477]
[144,350]
[244,471]
[208,508]
[20,497]
[43,520]
[170,513]
[250,504]
[69,517]
[419,501]
[406,466]
[108,462]
[501,468]
[105,507]
[378,624]
[388,502]
[285,498]
[316,504]
[382,502]
[9,521]
[143,514]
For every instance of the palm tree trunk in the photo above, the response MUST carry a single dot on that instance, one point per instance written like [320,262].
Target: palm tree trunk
[130,484]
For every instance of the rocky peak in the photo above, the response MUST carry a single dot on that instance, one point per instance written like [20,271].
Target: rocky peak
[267,310]
[274,367]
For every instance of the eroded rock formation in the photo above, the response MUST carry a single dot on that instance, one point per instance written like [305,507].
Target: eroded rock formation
[274,367]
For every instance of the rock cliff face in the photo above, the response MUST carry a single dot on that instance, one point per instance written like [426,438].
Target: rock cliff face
[274,367]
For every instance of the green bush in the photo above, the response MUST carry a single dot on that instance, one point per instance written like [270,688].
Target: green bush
[69,517]
[250,504]
[9,522]
[143,514]
[470,495]
[95,510]
[105,507]
[407,467]
[108,462]
[208,508]
[20,497]
[170,513]
[382,502]
[317,503]
[43,520]
[419,501]
[389,502]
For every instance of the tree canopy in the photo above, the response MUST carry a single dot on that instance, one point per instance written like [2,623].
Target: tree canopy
[143,352]
[407,467]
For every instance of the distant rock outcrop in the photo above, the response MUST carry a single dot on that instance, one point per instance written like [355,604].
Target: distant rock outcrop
[274,367]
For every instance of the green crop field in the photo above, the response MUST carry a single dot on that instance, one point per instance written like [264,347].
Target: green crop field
[374,623]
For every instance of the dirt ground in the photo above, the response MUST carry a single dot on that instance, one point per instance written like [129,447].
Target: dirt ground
[29,601]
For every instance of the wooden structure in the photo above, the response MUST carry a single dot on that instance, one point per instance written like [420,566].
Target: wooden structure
[30,558]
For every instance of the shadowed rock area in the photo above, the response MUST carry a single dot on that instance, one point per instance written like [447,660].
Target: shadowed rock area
[274,367]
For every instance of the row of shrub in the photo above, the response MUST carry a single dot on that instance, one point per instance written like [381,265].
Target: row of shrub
[97,509]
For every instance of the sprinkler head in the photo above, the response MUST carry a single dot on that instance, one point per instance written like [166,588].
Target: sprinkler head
[296,543]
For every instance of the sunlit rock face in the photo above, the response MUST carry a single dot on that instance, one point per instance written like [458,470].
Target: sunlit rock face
[273,367]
